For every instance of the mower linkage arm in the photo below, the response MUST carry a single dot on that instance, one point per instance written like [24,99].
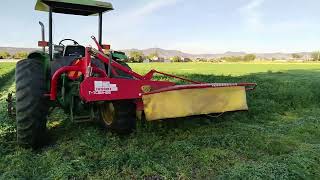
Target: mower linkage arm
[150,74]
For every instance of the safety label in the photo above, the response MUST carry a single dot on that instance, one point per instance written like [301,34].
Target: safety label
[103,87]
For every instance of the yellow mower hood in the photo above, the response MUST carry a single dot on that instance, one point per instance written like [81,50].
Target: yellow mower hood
[188,102]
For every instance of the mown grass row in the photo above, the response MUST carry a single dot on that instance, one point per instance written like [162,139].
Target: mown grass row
[278,138]
[6,71]
[7,125]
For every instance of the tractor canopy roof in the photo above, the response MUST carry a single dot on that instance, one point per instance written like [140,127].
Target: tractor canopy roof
[76,7]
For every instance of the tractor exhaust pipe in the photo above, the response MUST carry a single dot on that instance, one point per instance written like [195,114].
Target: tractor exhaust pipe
[43,35]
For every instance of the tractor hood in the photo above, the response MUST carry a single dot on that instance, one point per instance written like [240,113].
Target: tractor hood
[75,7]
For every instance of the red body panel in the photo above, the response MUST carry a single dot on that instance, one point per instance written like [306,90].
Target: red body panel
[43,43]
[106,89]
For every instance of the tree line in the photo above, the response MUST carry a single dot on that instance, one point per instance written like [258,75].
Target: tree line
[17,55]
[315,56]
[138,56]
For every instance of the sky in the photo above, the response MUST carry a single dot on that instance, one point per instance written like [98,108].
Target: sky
[203,26]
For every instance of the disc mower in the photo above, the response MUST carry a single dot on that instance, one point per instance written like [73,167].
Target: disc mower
[96,84]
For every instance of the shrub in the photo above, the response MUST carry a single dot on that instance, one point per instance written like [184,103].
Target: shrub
[176,59]
[20,55]
[296,56]
[315,56]
[136,56]
[249,57]
[232,59]
[4,55]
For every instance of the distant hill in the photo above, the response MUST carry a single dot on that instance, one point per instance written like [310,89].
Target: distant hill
[170,53]
[161,52]
[13,50]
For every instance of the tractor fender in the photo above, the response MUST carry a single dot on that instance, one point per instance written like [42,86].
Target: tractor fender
[40,55]
[37,55]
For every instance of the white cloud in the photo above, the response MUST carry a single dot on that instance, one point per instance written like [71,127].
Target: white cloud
[253,18]
[153,6]
[209,46]
[121,29]
[220,46]
[252,15]
[138,14]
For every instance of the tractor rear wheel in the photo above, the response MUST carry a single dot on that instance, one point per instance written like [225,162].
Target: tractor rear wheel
[31,104]
[119,116]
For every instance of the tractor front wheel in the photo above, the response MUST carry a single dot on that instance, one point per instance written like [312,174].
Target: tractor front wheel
[31,104]
[119,116]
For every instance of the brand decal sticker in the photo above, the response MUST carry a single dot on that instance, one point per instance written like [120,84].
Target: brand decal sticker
[103,87]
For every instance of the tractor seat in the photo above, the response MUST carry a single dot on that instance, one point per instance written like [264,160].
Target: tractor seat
[74,50]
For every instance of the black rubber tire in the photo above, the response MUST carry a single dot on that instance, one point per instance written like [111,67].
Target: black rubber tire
[31,104]
[125,110]
[124,117]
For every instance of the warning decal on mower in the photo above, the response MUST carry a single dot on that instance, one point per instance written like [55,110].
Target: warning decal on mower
[103,87]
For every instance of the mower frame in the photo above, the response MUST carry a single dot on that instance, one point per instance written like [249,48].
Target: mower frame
[121,88]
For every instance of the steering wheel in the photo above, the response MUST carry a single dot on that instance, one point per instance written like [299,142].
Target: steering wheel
[74,42]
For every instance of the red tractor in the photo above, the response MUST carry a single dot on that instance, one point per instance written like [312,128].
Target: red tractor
[91,84]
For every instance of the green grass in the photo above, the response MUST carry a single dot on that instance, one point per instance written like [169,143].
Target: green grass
[278,138]
[6,72]
[235,69]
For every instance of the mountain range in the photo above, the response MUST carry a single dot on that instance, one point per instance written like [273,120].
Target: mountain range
[170,53]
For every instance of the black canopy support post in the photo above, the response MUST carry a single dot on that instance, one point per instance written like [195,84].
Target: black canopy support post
[100,28]
[50,33]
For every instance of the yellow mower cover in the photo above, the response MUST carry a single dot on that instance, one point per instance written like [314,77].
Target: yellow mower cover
[197,101]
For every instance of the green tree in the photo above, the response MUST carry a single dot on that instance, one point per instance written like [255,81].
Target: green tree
[152,55]
[176,59]
[20,55]
[296,56]
[187,60]
[315,56]
[201,60]
[136,56]
[232,58]
[213,60]
[4,55]
[249,57]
